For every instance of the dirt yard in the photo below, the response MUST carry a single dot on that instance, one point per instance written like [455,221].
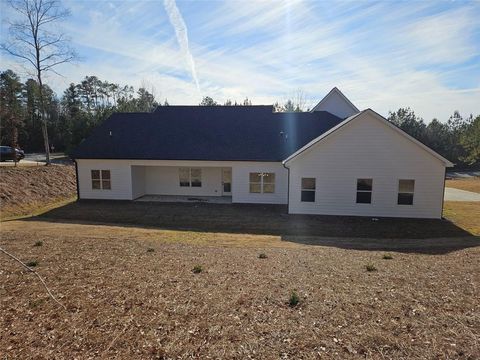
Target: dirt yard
[26,190]
[131,294]
[469,184]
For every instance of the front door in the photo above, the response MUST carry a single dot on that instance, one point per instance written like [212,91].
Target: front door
[226,181]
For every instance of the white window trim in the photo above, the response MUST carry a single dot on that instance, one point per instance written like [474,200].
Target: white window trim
[262,182]
[311,190]
[190,176]
[101,179]
[363,191]
[406,192]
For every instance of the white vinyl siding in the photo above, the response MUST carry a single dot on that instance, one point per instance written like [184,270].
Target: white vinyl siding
[367,148]
[134,178]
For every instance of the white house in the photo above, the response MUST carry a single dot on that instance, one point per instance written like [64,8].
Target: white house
[333,160]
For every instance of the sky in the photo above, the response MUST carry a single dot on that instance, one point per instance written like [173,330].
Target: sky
[381,55]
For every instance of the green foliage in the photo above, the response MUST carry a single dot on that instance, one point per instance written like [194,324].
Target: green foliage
[197,269]
[370,267]
[38,243]
[470,140]
[294,299]
[455,139]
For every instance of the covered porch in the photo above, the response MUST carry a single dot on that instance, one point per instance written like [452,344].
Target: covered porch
[181,183]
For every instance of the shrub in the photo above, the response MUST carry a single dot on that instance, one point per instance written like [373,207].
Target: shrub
[38,243]
[262,256]
[32,263]
[197,269]
[370,267]
[294,299]
[150,250]
[387,257]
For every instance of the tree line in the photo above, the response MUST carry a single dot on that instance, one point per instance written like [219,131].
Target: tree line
[84,105]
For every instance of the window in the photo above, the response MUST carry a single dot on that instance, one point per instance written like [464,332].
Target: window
[405,192]
[364,191]
[262,183]
[190,177]
[101,179]
[308,190]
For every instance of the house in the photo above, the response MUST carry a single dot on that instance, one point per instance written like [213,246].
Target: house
[333,160]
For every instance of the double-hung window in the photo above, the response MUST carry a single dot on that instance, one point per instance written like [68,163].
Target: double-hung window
[190,177]
[101,179]
[405,192]
[262,183]
[364,191]
[308,190]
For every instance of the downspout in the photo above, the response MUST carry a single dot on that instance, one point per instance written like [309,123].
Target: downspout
[76,179]
[288,188]
[443,194]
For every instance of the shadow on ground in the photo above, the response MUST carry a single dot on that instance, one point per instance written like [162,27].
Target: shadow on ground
[362,233]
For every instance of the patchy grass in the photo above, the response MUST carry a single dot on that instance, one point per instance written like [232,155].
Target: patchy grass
[32,263]
[262,256]
[38,243]
[387,257]
[370,268]
[294,299]
[197,269]
[123,303]
[465,215]
[469,184]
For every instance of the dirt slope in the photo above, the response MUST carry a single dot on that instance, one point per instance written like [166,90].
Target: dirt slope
[22,189]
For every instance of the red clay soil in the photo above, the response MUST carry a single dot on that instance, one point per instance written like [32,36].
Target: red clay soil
[24,189]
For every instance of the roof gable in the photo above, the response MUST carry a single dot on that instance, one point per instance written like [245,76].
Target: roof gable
[358,116]
[335,102]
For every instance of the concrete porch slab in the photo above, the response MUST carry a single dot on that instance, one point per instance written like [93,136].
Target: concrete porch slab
[187,199]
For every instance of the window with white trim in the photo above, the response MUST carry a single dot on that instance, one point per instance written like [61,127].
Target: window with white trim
[308,190]
[101,180]
[364,191]
[190,177]
[262,183]
[406,188]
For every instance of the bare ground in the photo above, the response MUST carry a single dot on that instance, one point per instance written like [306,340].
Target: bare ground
[23,190]
[126,302]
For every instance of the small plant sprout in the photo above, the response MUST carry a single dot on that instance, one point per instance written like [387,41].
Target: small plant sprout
[150,250]
[370,267]
[387,257]
[262,256]
[294,299]
[32,263]
[197,269]
[38,243]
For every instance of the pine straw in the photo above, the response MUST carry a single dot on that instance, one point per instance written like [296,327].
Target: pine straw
[127,303]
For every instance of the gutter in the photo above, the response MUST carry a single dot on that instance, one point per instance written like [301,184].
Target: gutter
[76,179]
[288,188]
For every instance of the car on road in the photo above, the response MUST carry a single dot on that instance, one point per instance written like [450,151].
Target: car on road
[11,153]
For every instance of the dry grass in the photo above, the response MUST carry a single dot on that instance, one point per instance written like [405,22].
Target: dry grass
[32,190]
[470,184]
[127,303]
[465,215]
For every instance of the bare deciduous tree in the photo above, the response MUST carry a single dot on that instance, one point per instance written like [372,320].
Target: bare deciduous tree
[34,40]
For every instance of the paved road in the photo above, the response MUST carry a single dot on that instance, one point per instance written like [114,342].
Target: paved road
[462,174]
[452,194]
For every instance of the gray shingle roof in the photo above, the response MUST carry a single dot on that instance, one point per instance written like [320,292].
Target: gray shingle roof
[249,133]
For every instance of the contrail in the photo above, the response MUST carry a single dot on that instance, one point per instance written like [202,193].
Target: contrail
[180,27]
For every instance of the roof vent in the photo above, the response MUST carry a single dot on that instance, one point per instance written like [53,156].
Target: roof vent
[110,133]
